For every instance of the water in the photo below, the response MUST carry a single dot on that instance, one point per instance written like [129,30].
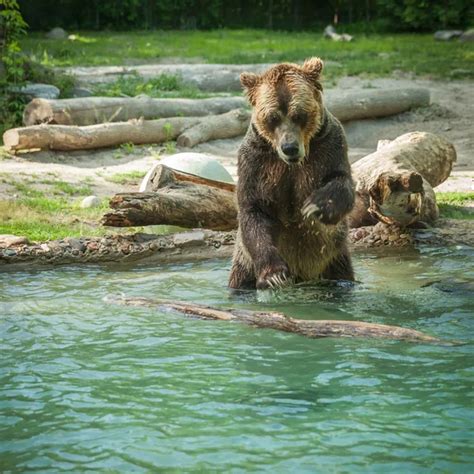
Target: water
[89,386]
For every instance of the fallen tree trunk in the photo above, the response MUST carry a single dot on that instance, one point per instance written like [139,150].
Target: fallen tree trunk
[281,322]
[138,132]
[180,199]
[213,128]
[93,110]
[353,105]
[331,33]
[395,183]
[206,77]
[365,104]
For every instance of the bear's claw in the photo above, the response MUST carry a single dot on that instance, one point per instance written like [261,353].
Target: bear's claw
[312,210]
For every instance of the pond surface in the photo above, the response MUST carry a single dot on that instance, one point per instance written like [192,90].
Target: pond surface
[86,385]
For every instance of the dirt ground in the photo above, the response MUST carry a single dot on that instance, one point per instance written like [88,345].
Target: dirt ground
[451,115]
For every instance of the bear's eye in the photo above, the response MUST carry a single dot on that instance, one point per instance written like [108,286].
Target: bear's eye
[273,120]
[300,118]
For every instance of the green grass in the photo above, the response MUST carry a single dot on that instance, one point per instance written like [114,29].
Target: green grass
[41,218]
[456,205]
[131,177]
[163,86]
[371,55]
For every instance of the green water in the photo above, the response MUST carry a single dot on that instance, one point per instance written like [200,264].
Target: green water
[86,385]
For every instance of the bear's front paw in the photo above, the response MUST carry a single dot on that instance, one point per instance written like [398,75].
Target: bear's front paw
[274,276]
[322,210]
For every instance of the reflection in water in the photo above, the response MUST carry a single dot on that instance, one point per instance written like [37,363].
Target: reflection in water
[87,385]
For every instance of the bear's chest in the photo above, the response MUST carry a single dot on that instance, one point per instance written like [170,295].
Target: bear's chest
[286,189]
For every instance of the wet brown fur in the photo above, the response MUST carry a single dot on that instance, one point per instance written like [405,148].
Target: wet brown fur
[274,237]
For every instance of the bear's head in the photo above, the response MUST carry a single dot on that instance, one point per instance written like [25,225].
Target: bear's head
[287,105]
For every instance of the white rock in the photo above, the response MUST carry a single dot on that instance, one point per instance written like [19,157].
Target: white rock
[90,201]
[10,240]
[56,33]
[82,92]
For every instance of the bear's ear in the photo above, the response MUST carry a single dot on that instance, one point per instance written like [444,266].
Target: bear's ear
[249,82]
[313,68]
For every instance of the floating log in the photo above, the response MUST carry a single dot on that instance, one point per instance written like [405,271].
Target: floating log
[138,132]
[351,105]
[93,110]
[180,199]
[281,322]
[395,183]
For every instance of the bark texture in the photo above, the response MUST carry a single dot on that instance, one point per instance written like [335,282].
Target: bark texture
[93,110]
[180,199]
[281,322]
[138,132]
[395,183]
[354,105]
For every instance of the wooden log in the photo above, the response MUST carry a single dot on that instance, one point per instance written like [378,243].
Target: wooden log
[395,183]
[205,77]
[390,189]
[138,132]
[353,105]
[93,110]
[331,33]
[212,128]
[281,322]
[373,103]
[180,199]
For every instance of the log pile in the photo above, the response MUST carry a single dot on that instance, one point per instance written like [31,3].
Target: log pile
[93,110]
[394,186]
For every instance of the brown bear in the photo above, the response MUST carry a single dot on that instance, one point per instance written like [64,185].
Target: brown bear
[295,187]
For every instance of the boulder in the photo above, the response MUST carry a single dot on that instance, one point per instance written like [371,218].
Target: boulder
[198,164]
[37,91]
[56,33]
[90,201]
[82,92]
[10,240]
[467,36]
[447,35]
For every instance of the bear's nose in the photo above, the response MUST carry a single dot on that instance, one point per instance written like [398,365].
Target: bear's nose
[291,149]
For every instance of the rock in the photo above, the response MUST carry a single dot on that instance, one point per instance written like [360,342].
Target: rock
[199,164]
[447,35]
[467,36]
[9,240]
[90,201]
[189,239]
[82,92]
[56,33]
[37,91]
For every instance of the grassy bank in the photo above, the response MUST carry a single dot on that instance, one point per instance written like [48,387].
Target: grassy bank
[374,55]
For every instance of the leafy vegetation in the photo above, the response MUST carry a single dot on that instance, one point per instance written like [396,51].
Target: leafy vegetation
[456,205]
[293,15]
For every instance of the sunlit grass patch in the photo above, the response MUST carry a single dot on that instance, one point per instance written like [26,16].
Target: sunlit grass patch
[456,205]
[130,177]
